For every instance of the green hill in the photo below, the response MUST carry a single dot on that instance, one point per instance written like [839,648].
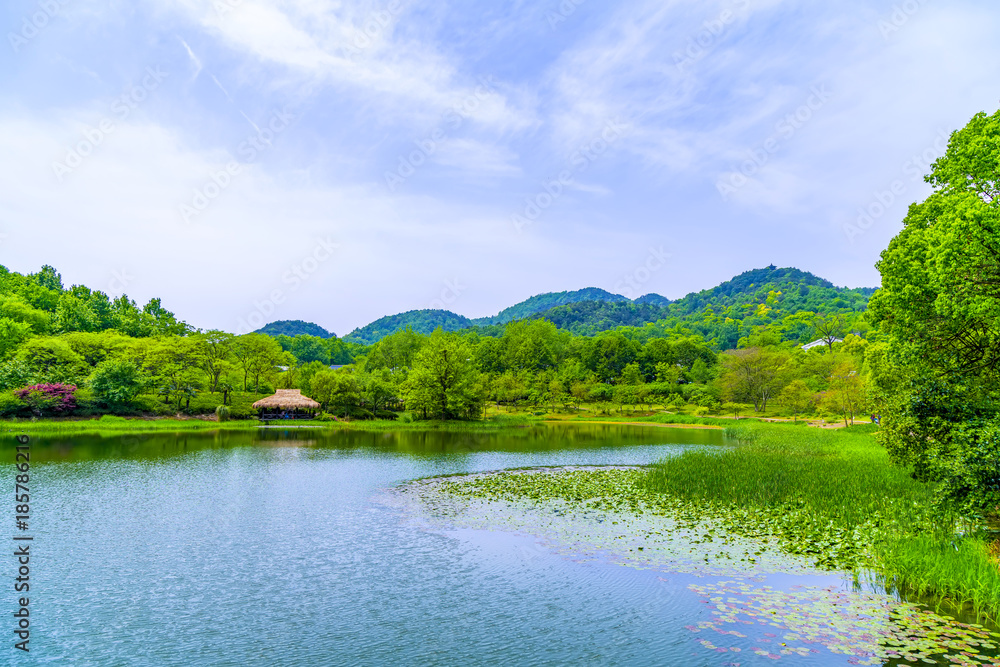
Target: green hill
[723,313]
[800,290]
[421,321]
[294,328]
[544,302]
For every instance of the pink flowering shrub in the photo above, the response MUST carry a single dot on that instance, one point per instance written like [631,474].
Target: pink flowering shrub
[51,399]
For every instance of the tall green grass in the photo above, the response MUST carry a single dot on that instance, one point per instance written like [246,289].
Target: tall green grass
[834,495]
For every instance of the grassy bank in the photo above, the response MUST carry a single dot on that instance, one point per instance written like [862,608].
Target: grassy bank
[834,496]
[109,424]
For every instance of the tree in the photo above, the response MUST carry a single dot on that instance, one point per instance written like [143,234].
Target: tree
[753,375]
[216,350]
[396,351]
[936,367]
[444,382]
[846,389]
[829,328]
[12,334]
[258,356]
[336,389]
[52,359]
[117,382]
[797,396]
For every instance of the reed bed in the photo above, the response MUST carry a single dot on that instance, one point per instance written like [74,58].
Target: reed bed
[834,495]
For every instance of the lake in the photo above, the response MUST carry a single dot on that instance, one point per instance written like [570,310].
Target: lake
[271,547]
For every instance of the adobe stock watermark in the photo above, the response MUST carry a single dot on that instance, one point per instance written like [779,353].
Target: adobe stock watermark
[784,129]
[223,7]
[553,188]
[120,280]
[450,293]
[453,119]
[292,279]
[121,108]
[32,26]
[882,201]
[372,29]
[248,150]
[631,283]
[701,44]
[562,12]
[900,16]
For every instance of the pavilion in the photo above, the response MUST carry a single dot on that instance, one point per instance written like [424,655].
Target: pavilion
[286,404]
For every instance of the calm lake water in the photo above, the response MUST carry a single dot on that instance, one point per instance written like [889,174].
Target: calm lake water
[269,548]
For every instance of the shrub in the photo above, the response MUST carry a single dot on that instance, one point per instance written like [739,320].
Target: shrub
[117,382]
[971,476]
[49,399]
[12,406]
[386,414]
[223,413]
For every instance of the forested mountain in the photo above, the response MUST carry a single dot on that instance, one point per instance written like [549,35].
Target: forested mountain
[421,321]
[587,318]
[294,328]
[426,321]
[544,302]
[723,314]
[800,290]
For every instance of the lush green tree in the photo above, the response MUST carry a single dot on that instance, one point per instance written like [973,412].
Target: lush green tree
[14,374]
[215,349]
[12,334]
[396,351]
[336,390]
[17,309]
[258,357]
[531,345]
[754,375]
[797,396]
[117,382]
[444,382]
[52,360]
[936,364]
[310,348]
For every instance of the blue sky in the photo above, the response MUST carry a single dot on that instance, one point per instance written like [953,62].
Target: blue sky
[336,161]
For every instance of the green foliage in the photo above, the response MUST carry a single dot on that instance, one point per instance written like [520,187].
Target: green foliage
[223,413]
[117,382]
[51,360]
[12,335]
[294,328]
[420,321]
[936,366]
[12,406]
[546,302]
[444,382]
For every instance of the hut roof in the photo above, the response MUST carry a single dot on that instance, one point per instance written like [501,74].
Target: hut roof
[287,399]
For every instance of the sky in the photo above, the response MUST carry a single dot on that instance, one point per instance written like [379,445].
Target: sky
[339,160]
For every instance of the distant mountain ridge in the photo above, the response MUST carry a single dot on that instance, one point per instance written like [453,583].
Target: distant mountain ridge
[294,328]
[592,310]
[543,302]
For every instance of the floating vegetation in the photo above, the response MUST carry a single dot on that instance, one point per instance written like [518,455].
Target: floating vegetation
[870,629]
[611,515]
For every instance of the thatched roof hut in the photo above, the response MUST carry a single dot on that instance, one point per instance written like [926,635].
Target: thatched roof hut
[287,399]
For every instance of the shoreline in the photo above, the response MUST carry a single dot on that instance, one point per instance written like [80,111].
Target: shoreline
[142,424]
